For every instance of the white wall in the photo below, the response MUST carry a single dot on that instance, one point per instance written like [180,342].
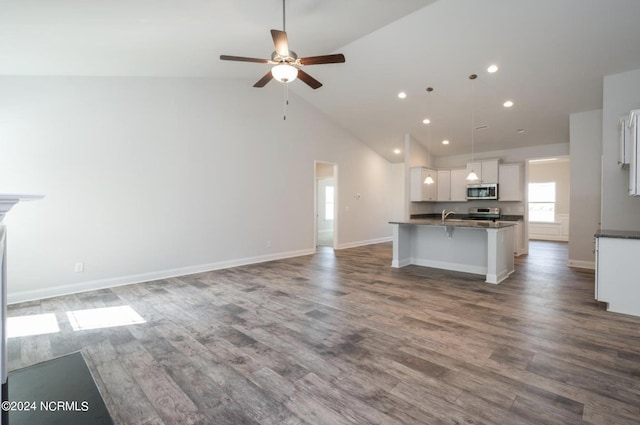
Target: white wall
[586,152]
[621,93]
[415,156]
[396,191]
[150,177]
[505,156]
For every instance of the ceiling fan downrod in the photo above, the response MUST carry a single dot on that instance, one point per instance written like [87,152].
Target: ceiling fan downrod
[284,19]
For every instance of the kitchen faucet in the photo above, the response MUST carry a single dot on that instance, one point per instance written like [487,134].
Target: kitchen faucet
[446,214]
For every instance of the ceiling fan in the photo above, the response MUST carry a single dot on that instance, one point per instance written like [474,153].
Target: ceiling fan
[287,64]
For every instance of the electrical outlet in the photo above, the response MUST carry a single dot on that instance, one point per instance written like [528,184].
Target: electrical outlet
[268,244]
[79,267]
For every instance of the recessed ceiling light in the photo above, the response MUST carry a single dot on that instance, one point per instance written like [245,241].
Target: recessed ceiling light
[397,151]
[402,95]
[508,104]
[492,68]
[426,121]
[445,142]
[520,130]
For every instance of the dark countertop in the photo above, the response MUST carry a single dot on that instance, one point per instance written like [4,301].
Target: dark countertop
[463,217]
[478,224]
[511,217]
[618,234]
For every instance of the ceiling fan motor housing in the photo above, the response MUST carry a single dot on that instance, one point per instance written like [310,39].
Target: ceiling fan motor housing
[291,58]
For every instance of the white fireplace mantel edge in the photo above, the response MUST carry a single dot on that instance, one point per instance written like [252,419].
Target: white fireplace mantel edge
[8,200]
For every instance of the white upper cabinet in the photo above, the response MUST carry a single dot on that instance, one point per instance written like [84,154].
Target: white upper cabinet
[511,182]
[487,170]
[459,185]
[444,185]
[634,153]
[421,191]
[624,148]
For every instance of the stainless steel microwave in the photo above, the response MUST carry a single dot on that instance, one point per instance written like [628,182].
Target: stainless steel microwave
[482,191]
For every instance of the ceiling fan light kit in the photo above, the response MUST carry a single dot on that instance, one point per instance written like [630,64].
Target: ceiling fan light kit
[284,73]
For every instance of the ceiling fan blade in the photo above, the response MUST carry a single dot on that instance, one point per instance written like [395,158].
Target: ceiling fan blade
[319,60]
[264,80]
[281,43]
[309,80]
[242,59]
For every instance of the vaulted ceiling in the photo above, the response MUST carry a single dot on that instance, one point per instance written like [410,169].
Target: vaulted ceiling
[552,56]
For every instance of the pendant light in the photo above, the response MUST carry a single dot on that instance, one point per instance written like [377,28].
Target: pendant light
[429,179]
[472,177]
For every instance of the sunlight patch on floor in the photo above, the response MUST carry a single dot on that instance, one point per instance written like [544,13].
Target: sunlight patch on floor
[35,324]
[105,317]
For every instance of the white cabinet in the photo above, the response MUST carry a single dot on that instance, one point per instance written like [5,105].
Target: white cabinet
[617,271]
[459,185]
[487,170]
[624,148]
[634,158]
[452,185]
[511,182]
[421,191]
[444,185]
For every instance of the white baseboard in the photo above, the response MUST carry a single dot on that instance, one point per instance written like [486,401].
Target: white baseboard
[495,279]
[545,237]
[363,243]
[582,264]
[466,268]
[400,263]
[38,294]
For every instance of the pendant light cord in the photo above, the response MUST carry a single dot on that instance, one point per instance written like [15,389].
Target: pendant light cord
[472,77]
[429,90]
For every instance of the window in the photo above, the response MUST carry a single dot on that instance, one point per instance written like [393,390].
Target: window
[542,202]
[328,203]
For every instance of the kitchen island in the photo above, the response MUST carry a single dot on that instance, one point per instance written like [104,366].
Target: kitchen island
[478,247]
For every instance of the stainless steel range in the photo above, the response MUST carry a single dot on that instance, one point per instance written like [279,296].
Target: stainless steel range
[476,213]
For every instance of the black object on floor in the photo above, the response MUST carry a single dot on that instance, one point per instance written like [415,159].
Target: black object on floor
[59,391]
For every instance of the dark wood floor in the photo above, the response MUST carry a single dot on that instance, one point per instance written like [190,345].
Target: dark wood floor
[343,338]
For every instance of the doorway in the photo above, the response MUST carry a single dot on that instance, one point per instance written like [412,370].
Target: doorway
[325,204]
[548,184]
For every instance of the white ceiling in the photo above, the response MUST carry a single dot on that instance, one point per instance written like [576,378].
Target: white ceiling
[552,56]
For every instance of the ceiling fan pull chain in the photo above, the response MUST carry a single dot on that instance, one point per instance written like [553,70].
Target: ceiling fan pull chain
[286,101]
